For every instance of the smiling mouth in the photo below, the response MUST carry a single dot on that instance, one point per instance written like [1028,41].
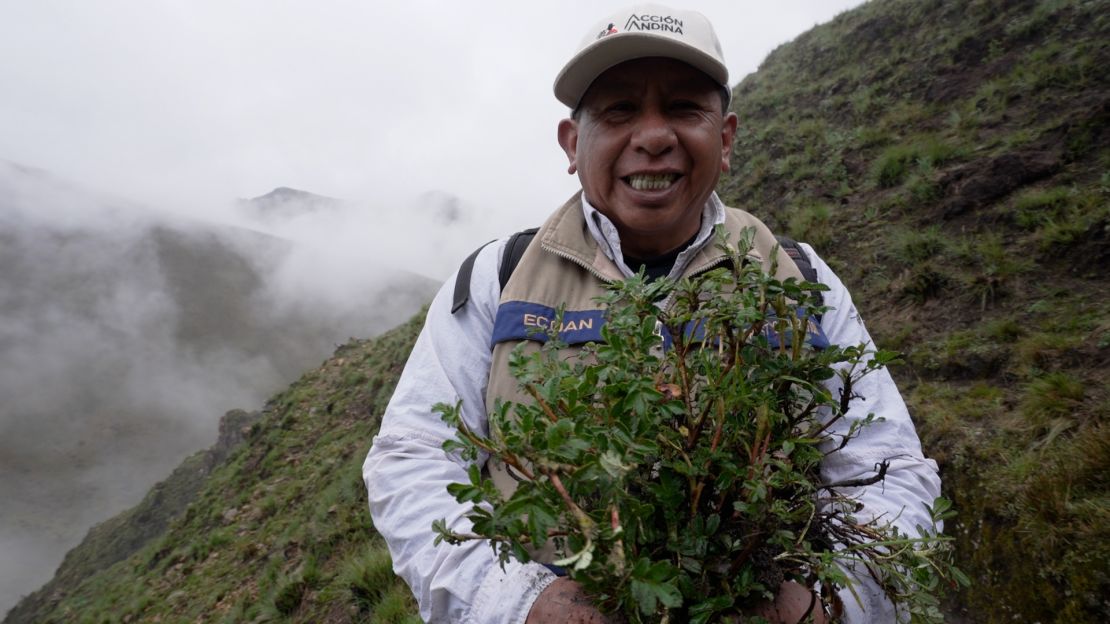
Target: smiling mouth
[652,181]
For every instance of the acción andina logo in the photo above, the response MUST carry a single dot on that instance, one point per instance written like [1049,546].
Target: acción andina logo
[645,22]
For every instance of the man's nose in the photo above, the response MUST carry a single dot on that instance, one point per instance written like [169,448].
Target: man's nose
[653,134]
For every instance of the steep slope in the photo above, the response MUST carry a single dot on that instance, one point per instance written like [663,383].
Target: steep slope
[951,159]
[277,531]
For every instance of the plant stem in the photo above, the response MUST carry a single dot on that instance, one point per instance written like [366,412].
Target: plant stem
[584,521]
[543,404]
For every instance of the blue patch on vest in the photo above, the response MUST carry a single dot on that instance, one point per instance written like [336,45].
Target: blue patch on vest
[520,320]
[815,334]
[695,332]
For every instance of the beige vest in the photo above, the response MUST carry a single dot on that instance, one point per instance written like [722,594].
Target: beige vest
[565,266]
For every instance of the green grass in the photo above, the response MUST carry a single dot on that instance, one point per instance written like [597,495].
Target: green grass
[1055,395]
[922,154]
[813,223]
[917,245]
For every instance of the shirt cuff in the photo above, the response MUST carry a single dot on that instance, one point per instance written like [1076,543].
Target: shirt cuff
[507,596]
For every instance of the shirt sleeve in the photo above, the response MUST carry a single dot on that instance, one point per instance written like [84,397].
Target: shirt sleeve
[407,472]
[911,482]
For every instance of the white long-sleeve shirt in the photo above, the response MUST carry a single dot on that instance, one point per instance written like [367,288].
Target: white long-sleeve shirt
[407,472]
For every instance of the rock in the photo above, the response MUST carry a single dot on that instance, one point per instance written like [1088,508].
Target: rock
[980,182]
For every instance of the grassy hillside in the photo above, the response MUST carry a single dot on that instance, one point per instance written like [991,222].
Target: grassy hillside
[949,159]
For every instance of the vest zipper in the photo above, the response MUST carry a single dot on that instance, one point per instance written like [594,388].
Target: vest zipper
[666,303]
[575,259]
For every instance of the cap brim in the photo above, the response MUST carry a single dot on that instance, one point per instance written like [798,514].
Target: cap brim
[580,72]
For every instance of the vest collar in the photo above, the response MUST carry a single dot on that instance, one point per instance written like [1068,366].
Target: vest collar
[580,233]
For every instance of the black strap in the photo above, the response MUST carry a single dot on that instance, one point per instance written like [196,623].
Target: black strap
[800,258]
[519,242]
[514,249]
[462,280]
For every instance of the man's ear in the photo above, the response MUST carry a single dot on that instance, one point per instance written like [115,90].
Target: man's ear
[728,131]
[568,140]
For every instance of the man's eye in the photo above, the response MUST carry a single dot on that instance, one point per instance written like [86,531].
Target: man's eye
[621,107]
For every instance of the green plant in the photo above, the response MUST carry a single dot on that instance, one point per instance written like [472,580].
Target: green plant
[354,377]
[925,153]
[871,136]
[923,189]
[993,266]
[287,595]
[914,246]
[289,590]
[368,575]
[924,282]
[813,223]
[1003,330]
[1034,208]
[396,607]
[1055,395]
[683,484]
[893,165]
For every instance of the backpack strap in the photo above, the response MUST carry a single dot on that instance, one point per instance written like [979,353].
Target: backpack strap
[800,258]
[518,242]
[514,249]
[462,280]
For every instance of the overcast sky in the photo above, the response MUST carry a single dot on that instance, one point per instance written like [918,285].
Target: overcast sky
[186,104]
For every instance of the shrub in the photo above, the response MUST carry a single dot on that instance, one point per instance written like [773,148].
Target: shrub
[683,484]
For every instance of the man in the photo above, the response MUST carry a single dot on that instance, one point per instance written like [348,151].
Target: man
[648,136]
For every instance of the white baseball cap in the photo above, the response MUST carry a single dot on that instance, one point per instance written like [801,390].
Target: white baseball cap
[641,31]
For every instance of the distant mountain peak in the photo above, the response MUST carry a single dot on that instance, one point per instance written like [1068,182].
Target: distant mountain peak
[284,202]
[285,193]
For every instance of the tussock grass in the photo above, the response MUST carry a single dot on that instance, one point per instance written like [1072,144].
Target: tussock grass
[924,154]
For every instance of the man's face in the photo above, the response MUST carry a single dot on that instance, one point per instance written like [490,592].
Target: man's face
[649,144]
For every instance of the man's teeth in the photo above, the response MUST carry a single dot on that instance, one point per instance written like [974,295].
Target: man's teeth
[653,182]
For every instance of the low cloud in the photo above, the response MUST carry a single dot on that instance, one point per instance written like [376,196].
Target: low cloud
[126,334]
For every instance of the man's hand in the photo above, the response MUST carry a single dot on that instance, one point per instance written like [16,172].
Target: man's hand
[792,605]
[564,602]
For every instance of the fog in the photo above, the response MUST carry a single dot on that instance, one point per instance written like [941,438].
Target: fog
[126,333]
[140,300]
[187,104]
